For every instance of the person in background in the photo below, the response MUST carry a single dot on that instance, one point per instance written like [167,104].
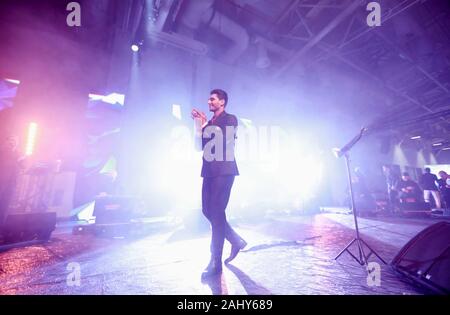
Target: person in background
[392,180]
[408,188]
[444,188]
[428,184]
[363,198]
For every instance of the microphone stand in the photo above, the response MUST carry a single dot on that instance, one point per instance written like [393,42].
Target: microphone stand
[362,258]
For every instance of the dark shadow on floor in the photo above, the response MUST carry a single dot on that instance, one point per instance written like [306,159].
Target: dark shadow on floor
[217,284]
[307,241]
[250,286]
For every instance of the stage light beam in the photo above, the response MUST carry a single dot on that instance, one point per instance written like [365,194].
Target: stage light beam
[31,139]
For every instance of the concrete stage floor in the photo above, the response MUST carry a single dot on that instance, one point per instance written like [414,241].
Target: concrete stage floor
[286,255]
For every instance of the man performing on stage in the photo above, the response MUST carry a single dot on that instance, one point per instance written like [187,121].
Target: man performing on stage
[219,168]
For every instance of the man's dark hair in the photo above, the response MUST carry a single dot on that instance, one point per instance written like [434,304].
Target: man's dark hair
[405,174]
[427,170]
[221,94]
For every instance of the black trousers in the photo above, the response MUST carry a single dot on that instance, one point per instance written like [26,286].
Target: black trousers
[215,196]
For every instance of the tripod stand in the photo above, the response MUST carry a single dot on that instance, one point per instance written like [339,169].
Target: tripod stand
[361,258]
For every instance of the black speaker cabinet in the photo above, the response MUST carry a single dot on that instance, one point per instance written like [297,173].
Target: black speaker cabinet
[426,258]
[28,226]
[114,209]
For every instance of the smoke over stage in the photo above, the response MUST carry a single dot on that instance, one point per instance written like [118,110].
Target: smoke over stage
[197,147]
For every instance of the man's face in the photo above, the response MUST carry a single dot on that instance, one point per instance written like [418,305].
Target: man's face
[405,177]
[442,175]
[214,103]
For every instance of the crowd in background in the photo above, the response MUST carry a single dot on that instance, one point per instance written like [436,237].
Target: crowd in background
[402,191]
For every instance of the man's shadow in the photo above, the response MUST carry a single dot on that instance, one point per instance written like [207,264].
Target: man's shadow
[250,286]
[218,285]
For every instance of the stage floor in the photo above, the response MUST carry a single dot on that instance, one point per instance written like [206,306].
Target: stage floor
[286,254]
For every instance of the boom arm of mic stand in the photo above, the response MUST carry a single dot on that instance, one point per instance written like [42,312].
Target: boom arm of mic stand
[340,152]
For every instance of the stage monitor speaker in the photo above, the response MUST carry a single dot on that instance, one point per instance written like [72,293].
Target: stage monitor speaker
[426,258]
[28,226]
[114,209]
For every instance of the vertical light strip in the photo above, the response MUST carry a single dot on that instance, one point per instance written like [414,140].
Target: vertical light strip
[31,138]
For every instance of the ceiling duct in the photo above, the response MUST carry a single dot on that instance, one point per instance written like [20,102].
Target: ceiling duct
[160,17]
[411,36]
[202,13]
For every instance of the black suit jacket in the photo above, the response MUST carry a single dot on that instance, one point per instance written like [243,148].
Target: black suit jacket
[222,164]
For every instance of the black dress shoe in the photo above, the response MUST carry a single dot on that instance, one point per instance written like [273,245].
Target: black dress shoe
[235,249]
[214,268]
